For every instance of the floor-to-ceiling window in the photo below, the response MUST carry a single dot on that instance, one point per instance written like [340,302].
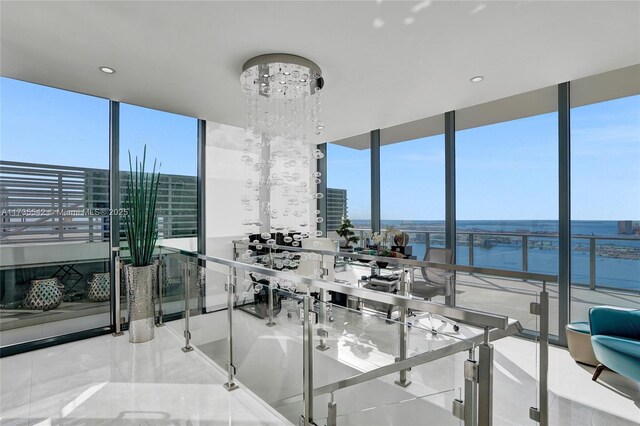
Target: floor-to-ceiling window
[605,202]
[348,182]
[412,191]
[507,201]
[171,141]
[54,197]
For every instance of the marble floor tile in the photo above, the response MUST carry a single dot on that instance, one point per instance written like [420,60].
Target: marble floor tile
[107,380]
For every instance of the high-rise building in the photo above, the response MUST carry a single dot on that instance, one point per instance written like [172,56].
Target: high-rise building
[336,207]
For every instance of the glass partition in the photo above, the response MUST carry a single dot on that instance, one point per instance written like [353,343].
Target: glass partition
[605,205]
[54,251]
[171,140]
[507,201]
[348,187]
[412,192]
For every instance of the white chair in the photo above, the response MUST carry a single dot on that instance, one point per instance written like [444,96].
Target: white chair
[435,281]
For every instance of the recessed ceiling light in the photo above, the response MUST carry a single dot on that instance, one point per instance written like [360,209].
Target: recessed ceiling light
[107,70]
[476,79]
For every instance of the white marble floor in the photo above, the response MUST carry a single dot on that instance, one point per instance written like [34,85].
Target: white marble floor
[107,380]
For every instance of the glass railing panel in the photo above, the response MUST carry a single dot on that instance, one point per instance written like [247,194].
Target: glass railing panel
[580,261]
[360,338]
[604,272]
[465,249]
[53,296]
[173,283]
[267,349]
[413,410]
[618,264]
[203,329]
[541,254]
[352,335]
[505,296]
[517,378]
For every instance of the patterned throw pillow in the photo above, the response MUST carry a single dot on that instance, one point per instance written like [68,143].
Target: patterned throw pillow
[100,287]
[45,294]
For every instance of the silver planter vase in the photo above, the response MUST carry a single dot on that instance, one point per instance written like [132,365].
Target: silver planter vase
[140,281]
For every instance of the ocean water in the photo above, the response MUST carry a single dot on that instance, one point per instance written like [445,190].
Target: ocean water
[612,270]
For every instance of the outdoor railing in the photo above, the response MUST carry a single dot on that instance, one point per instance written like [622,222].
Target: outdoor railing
[525,241]
[47,203]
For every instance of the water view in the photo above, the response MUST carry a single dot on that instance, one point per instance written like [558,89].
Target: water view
[499,244]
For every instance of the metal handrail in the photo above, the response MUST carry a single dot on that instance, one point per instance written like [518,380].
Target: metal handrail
[414,361]
[464,315]
[423,358]
[510,234]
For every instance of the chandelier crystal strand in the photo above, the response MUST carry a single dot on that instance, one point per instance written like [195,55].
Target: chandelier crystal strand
[282,127]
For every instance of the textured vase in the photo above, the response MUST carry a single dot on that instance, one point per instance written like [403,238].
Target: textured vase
[140,284]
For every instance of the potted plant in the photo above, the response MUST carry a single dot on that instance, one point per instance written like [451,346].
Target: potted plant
[346,231]
[141,227]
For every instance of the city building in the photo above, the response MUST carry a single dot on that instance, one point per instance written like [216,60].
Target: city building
[336,208]
[226,140]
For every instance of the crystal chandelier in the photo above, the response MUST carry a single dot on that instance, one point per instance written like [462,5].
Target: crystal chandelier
[282,129]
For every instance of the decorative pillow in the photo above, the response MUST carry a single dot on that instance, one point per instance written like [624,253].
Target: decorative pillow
[45,294]
[100,287]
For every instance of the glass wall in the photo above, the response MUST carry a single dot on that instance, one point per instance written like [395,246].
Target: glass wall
[605,204]
[348,187]
[412,191]
[507,206]
[171,140]
[54,197]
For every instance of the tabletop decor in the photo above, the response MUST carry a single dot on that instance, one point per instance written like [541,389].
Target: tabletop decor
[346,231]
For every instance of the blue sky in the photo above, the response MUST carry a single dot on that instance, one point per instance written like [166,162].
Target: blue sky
[504,171]
[507,170]
[39,124]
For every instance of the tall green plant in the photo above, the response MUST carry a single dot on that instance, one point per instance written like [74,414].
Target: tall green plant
[141,222]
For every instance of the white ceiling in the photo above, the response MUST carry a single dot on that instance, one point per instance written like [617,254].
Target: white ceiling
[384,62]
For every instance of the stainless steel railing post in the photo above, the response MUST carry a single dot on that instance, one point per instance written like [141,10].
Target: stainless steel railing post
[471,244]
[118,324]
[544,355]
[307,361]
[404,332]
[231,369]
[160,289]
[525,253]
[186,273]
[485,381]
[471,391]
[332,412]
[270,289]
[592,263]
[540,414]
